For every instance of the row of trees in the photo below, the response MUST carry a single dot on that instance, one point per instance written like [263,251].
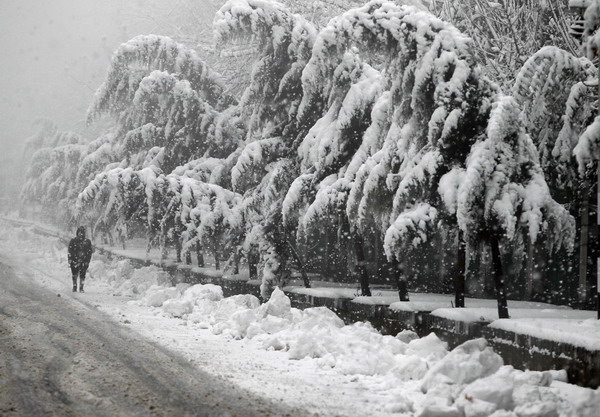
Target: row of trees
[379,131]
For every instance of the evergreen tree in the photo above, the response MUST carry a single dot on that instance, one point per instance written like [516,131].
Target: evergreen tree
[504,194]
[506,33]
[437,99]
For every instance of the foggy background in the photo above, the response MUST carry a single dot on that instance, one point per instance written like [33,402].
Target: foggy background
[54,55]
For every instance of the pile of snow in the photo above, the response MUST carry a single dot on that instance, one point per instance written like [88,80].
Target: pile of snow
[422,377]
[127,280]
[468,362]
[157,295]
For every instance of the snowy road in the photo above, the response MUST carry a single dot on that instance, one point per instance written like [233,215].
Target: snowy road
[63,358]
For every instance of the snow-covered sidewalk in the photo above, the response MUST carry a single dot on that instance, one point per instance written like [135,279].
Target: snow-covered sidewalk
[307,358]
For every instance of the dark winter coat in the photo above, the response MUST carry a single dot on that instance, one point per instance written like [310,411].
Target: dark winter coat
[80,250]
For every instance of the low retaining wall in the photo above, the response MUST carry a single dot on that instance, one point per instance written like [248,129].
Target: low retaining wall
[451,331]
[519,350]
[527,352]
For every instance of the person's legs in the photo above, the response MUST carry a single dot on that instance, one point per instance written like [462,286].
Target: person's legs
[74,273]
[82,272]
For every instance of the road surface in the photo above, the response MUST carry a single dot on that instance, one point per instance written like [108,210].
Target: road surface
[60,357]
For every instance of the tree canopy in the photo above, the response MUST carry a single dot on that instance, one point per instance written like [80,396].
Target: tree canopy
[383,127]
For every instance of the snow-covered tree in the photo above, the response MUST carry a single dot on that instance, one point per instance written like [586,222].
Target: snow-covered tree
[284,42]
[588,150]
[52,174]
[556,92]
[45,131]
[504,195]
[170,110]
[437,99]
[588,147]
[269,105]
[143,54]
[365,133]
[265,229]
[119,198]
[547,88]
[328,148]
[31,191]
[206,212]
[506,33]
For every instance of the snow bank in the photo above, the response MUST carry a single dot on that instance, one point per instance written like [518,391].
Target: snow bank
[156,295]
[467,381]
[127,280]
[418,376]
[115,275]
[142,279]
[468,362]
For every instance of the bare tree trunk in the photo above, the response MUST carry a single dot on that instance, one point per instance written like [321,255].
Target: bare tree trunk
[329,256]
[236,260]
[361,270]
[529,270]
[499,280]
[217,260]
[216,247]
[199,255]
[164,251]
[252,262]
[583,242]
[598,220]
[459,278]
[178,249]
[253,270]
[149,243]
[300,264]
[400,279]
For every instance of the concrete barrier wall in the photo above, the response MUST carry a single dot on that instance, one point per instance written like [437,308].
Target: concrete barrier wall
[528,352]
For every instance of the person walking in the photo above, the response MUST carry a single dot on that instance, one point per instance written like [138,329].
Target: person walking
[80,253]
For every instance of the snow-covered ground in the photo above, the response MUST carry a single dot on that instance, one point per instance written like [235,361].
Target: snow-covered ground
[306,358]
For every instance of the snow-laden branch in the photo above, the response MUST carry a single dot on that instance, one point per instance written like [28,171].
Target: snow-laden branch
[140,56]
[504,190]
[588,148]
[413,227]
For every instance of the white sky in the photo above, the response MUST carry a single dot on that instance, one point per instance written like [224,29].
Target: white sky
[54,54]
